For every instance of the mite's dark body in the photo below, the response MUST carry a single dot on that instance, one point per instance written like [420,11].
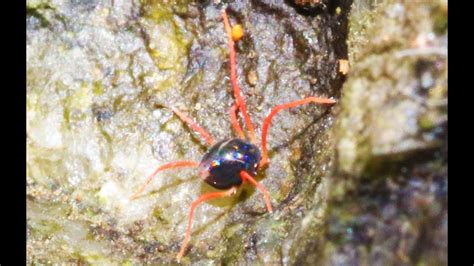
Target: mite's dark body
[223,162]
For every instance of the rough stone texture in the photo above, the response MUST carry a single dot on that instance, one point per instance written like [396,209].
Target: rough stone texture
[388,199]
[101,76]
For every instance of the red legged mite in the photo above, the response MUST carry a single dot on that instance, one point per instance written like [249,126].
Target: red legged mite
[231,162]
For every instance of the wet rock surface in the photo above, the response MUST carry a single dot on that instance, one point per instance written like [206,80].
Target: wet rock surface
[101,79]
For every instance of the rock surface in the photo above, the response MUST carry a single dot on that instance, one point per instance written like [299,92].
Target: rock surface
[362,183]
[388,199]
[101,79]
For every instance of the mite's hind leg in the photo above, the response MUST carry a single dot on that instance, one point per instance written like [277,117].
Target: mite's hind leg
[205,197]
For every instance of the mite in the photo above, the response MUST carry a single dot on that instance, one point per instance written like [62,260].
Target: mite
[231,162]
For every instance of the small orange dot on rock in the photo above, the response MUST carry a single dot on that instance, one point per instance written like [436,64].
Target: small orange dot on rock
[237,32]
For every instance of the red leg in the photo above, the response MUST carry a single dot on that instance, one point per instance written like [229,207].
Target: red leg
[161,168]
[194,126]
[240,103]
[235,122]
[266,195]
[208,196]
[268,120]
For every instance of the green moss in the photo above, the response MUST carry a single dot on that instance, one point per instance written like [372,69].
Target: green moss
[425,122]
[158,214]
[80,99]
[34,12]
[37,4]
[279,228]
[44,228]
[127,263]
[171,46]
[234,234]
[163,10]
[97,88]
[440,25]
[93,258]
[440,19]
[231,230]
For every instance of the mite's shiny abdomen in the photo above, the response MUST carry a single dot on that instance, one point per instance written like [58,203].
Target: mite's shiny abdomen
[220,167]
